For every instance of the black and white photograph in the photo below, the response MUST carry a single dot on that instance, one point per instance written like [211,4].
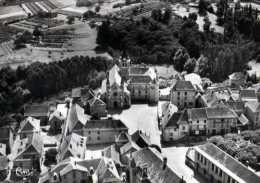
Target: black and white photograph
[129,91]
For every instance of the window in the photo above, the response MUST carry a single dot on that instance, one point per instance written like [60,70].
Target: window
[183,128]
[115,94]
[89,132]
[220,173]
[171,134]
[178,93]
[98,132]
[198,121]
[98,138]
[74,174]
[185,93]
[205,121]
[212,167]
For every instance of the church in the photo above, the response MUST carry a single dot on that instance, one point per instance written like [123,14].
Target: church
[126,83]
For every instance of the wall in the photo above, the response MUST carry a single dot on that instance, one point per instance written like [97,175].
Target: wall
[181,100]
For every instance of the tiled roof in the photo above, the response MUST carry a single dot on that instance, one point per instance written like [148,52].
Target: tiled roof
[236,105]
[247,93]
[73,144]
[197,113]
[36,110]
[128,146]
[220,112]
[76,115]
[181,85]
[138,70]
[96,101]
[152,160]
[177,118]
[105,124]
[22,145]
[140,79]
[56,114]
[34,123]
[253,105]
[233,165]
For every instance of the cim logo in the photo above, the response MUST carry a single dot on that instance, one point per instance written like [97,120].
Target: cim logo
[23,172]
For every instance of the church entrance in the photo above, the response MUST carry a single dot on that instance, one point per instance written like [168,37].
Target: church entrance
[115,104]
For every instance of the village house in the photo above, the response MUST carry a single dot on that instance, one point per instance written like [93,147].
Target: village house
[96,107]
[72,145]
[56,120]
[148,165]
[221,120]
[183,94]
[175,126]
[199,121]
[38,111]
[97,131]
[114,90]
[218,166]
[237,79]
[74,170]
[253,113]
[27,152]
[28,127]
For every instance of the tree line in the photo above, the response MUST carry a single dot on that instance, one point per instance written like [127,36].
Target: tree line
[39,80]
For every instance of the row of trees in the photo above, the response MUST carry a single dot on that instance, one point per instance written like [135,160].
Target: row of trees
[40,80]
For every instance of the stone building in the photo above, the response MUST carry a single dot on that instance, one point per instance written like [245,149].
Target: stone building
[114,90]
[183,94]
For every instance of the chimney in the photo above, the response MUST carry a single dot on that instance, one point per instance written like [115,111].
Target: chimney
[164,163]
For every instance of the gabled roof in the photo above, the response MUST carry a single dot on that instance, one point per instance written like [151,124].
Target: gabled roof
[105,124]
[74,145]
[247,93]
[253,105]
[197,114]
[181,85]
[140,138]
[227,163]
[220,112]
[76,115]
[152,160]
[36,110]
[30,122]
[129,147]
[56,114]
[107,170]
[22,145]
[112,153]
[114,78]
[96,101]
[236,105]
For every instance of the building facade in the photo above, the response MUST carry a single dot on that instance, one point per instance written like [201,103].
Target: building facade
[183,94]
[218,166]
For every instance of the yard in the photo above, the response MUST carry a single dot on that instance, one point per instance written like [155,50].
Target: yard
[182,10]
